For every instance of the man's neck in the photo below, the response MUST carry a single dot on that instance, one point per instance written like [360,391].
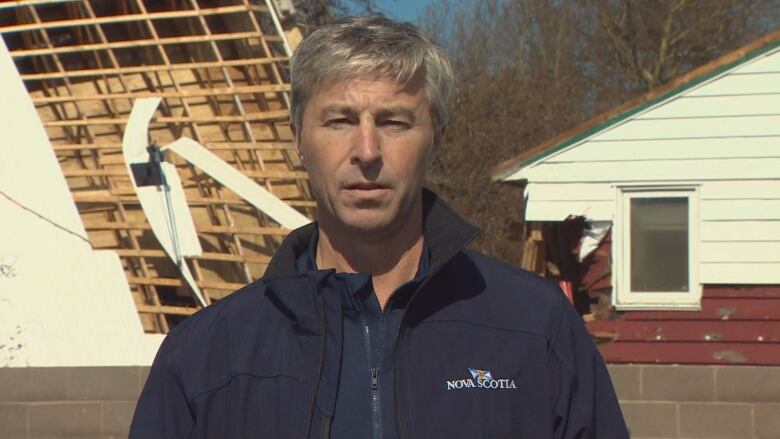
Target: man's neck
[392,261]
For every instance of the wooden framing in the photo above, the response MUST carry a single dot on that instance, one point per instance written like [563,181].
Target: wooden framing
[220,67]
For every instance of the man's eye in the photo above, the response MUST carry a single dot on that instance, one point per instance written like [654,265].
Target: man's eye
[338,121]
[399,124]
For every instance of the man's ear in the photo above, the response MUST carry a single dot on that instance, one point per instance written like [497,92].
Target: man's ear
[296,132]
[296,135]
[438,137]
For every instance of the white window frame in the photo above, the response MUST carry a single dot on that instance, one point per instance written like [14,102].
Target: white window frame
[625,299]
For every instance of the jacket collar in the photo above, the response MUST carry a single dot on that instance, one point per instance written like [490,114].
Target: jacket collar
[446,233]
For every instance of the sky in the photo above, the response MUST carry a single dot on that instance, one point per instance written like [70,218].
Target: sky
[406,10]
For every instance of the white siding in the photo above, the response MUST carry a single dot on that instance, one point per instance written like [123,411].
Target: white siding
[722,136]
[741,190]
[740,251]
[697,127]
[736,84]
[61,302]
[740,273]
[740,231]
[671,149]
[740,210]
[659,170]
[717,106]
[560,210]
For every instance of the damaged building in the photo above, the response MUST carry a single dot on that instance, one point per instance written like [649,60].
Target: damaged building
[661,218]
[219,69]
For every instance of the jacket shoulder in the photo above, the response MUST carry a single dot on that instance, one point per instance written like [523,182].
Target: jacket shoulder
[232,335]
[514,282]
[486,291]
[205,319]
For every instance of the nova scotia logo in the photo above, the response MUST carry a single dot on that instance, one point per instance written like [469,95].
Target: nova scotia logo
[478,374]
[481,379]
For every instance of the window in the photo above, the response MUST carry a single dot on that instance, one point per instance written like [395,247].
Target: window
[656,260]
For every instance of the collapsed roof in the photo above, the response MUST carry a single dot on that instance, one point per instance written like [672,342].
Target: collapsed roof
[220,67]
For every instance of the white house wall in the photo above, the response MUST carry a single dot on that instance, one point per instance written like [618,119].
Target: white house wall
[669,149]
[61,302]
[722,136]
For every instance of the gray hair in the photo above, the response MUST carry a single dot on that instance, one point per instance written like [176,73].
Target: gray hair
[359,46]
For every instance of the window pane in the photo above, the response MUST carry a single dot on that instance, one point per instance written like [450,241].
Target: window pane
[659,244]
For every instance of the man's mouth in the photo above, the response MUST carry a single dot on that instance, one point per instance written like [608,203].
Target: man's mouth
[365,186]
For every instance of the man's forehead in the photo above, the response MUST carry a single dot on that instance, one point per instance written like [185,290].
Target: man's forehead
[386,85]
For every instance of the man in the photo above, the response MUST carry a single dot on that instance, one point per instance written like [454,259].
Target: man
[375,322]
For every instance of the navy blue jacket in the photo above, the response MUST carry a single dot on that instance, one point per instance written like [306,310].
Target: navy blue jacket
[485,350]
[365,400]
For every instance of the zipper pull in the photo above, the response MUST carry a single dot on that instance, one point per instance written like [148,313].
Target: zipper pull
[374,378]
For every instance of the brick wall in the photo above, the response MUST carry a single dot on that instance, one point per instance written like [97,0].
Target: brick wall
[705,402]
[77,402]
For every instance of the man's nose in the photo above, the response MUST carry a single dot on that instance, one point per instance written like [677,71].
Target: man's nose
[367,144]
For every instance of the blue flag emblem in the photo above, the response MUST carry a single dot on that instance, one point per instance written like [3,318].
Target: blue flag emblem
[479,374]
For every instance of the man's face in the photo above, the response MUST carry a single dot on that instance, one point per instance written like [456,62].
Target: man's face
[367,144]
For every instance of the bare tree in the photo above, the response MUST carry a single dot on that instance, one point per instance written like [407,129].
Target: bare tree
[647,43]
[531,69]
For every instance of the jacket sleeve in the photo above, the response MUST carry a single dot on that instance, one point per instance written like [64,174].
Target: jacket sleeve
[585,404]
[162,411]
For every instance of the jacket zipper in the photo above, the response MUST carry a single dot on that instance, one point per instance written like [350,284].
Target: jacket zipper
[375,403]
[376,414]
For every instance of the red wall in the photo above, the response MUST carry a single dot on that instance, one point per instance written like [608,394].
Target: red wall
[738,324]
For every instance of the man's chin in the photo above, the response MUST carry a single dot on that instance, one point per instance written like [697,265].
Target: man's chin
[369,225]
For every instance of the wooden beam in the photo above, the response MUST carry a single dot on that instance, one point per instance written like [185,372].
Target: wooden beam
[277,175]
[124,18]
[186,93]
[150,69]
[220,146]
[241,230]
[162,309]
[208,256]
[301,203]
[283,146]
[175,282]
[18,3]
[141,43]
[249,117]
[122,172]
[102,196]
